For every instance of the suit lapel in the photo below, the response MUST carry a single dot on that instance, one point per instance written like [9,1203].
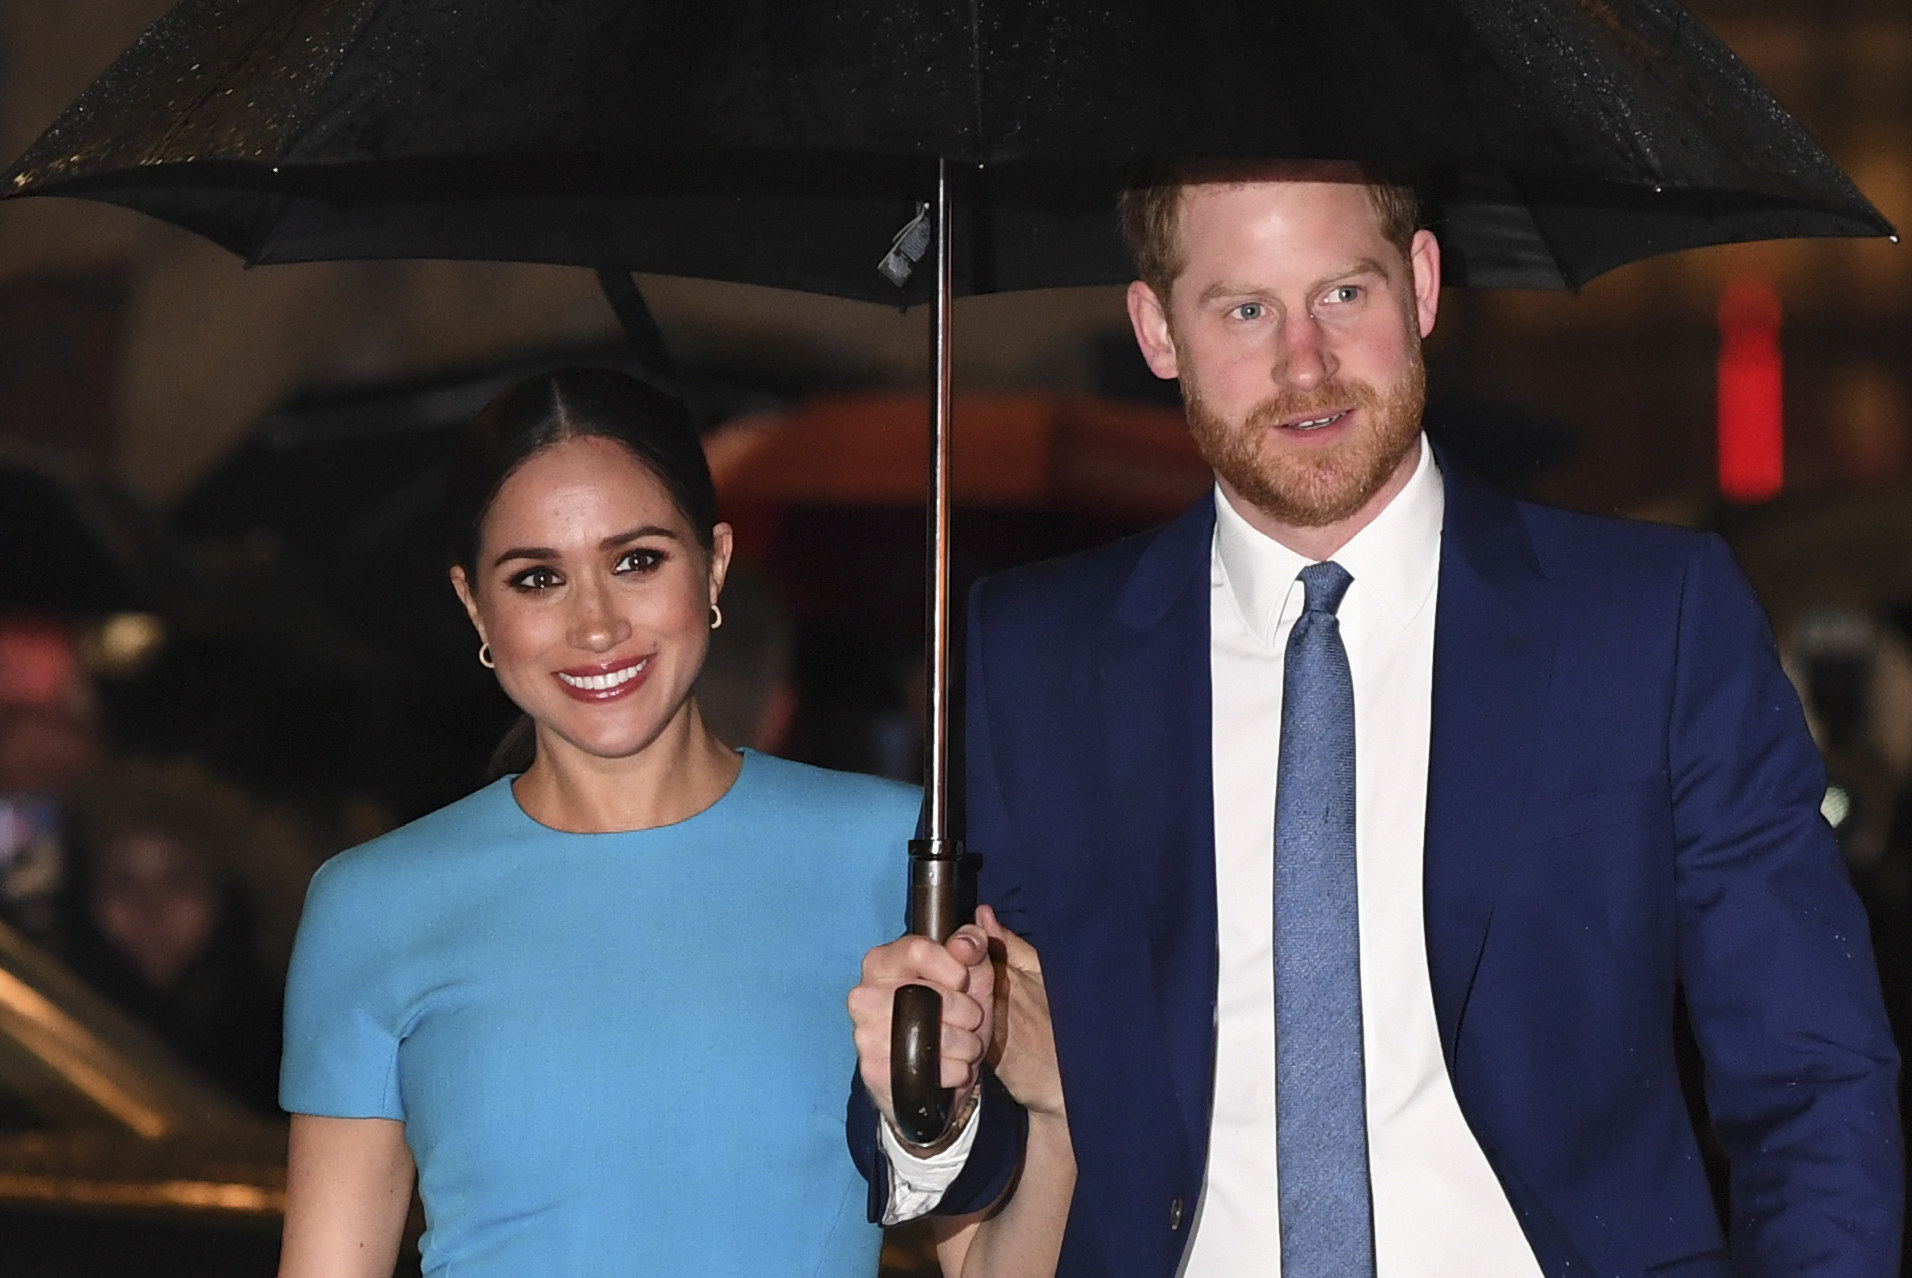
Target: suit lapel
[1154,691]
[1493,656]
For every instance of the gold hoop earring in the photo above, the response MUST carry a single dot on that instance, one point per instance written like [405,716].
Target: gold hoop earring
[484,657]
[716,616]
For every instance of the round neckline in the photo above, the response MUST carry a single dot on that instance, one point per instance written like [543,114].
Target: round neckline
[748,755]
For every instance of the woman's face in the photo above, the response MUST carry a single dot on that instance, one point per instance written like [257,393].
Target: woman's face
[156,900]
[594,594]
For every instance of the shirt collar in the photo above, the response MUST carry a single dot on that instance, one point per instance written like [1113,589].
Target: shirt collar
[1395,560]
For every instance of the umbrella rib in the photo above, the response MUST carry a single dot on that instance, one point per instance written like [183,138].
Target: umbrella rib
[1572,280]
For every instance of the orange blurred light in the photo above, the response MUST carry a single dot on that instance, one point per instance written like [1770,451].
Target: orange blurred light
[1752,437]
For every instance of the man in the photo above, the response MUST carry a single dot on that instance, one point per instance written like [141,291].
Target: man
[1369,826]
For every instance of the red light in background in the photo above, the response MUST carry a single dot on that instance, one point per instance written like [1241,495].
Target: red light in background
[1752,436]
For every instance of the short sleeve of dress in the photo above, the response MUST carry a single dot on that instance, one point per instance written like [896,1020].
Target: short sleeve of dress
[341,1033]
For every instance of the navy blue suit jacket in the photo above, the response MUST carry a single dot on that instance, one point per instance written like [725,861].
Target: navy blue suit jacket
[1622,799]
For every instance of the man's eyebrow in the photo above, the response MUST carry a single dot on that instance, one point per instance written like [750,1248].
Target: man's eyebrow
[1229,288]
[1359,266]
[609,543]
[1224,288]
[1362,266]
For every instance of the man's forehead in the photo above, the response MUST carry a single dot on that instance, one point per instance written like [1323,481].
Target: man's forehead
[1310,195]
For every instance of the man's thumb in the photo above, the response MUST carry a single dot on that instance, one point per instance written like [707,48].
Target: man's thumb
[1017,952]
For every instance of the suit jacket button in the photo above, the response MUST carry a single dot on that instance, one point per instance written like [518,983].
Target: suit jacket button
[1175,1213]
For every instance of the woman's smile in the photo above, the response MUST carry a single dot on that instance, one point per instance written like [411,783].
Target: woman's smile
[605,682]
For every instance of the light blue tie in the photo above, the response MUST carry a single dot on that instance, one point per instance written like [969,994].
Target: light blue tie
[1321,1132]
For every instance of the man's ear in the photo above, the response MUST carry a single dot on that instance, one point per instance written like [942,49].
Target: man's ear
[1148,316]
[1424,256]
[462,588]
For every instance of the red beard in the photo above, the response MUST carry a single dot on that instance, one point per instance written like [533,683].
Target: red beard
[1315,487]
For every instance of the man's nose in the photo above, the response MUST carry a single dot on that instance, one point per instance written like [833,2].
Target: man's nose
[596,624]
[1303,358]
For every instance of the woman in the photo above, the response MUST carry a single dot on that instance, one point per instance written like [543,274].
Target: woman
[597,1005]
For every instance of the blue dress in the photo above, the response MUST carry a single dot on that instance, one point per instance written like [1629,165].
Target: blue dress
[612,1053]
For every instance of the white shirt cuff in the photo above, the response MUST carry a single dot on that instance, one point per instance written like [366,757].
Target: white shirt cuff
[918,1184]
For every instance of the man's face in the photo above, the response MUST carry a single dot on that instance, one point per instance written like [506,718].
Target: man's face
[1295,328]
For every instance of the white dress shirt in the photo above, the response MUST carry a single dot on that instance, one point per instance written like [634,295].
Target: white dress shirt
[1438,1208]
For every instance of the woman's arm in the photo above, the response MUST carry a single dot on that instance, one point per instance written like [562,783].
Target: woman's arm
[348,1189]
[1023,1236]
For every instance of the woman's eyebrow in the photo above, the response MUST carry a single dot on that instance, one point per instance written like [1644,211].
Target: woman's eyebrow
[524,552]
[609,543]
[648,530]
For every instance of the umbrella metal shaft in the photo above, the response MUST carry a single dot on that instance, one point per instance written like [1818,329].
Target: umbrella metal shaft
[941,882]
[936,730]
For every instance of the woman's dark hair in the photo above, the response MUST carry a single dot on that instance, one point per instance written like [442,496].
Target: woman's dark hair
[577,403]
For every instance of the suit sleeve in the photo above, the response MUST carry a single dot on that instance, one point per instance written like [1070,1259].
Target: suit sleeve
[1801,1072]
[996,1157]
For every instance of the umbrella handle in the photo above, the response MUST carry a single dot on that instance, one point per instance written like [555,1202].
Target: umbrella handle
[942,898]
[916,1065]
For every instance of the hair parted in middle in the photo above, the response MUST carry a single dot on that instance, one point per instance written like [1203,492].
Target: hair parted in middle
[1151,206]
[656,428]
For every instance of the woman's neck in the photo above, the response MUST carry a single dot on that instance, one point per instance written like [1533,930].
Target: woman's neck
[679,774]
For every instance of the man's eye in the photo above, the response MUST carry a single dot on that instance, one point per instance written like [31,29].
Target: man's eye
[1342,294]
[532,579]
[1250,311]
[641,559]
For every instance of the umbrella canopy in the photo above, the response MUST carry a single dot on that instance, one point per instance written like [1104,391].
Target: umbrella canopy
[788,144]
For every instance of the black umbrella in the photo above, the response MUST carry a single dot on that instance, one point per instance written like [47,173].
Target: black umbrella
[802,144]
[787,143]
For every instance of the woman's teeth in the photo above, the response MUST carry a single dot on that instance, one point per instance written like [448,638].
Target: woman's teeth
[598,683]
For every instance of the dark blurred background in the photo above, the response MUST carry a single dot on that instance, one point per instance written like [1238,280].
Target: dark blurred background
[227,648]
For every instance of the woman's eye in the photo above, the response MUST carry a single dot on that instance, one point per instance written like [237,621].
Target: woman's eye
[642,559]
[534,579]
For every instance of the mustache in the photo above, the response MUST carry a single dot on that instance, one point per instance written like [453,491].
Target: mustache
[1329,397]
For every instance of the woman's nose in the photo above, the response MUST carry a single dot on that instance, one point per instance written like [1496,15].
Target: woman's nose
[596,624]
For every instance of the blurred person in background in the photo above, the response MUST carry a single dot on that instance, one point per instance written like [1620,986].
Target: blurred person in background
[49,742]
[158,918]
[596,1006]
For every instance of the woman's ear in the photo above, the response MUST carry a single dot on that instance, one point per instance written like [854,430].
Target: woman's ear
[722,545]
[461,586]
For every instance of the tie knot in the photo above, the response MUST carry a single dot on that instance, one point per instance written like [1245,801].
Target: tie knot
[1326,583]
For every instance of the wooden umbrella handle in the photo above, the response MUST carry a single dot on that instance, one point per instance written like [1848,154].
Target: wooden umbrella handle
[942,896]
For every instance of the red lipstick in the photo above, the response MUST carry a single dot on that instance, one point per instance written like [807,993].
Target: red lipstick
[607,681]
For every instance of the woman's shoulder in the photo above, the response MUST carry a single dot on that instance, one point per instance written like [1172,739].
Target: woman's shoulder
[801,788]
[416,848]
